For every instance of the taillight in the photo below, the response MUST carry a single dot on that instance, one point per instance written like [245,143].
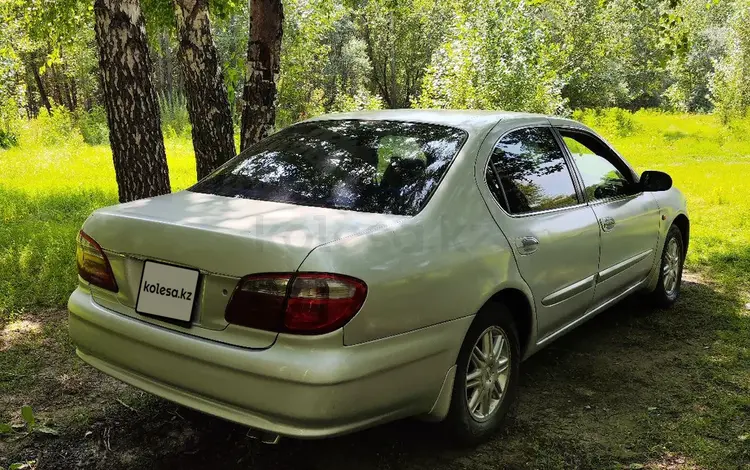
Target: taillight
[302,303]
[93,265]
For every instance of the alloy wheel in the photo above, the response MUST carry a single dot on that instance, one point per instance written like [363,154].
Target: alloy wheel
[487,373]
[671,267]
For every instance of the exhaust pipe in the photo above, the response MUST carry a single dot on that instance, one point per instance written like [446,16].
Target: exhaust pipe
[265,437]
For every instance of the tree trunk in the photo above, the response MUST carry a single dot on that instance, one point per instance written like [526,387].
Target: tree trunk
[130,100]
[207,102]
[32,106]
[263,60]
[40,86]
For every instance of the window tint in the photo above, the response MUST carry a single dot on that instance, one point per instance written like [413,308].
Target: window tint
[601,178]
[389,167]
[527,172]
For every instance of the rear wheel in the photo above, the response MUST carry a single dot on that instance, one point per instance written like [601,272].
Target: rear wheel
[486,376]
[670,271]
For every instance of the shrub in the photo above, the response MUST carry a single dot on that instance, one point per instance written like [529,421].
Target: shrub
[93,125]
[9,121]
[175,120]
[613,121]
[56,128]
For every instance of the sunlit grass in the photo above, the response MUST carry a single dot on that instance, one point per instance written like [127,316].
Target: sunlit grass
[664,388]
[710,163]
[47,191]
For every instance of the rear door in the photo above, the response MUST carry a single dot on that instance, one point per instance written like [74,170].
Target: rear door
[535,201]
[628,218]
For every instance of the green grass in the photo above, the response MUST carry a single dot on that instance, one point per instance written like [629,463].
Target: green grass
[633,388]
[49,186]
[710,163]
[46,193]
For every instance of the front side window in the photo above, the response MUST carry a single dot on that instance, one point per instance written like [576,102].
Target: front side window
[601,178]
[527,172]
[388,167]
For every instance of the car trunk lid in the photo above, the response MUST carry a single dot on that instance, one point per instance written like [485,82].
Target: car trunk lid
[225,239]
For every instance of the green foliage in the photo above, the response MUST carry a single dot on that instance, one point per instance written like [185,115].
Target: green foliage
[360,100]
[93,125]
[57,128]
[46,193]
[304,48]
[28,416]
[617,51]
[731,81]
[400,39]
[230,35]
[498,54]
[611,121]
[175,120]
[9,123]
[31,423]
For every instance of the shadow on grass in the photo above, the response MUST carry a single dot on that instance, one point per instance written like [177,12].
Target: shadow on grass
[37,245]
[634,385]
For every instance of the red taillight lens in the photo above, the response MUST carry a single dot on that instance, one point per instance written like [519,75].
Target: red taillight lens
[93,265]
[258,301]
[305,303]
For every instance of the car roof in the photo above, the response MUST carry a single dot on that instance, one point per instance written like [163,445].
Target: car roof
[468,120]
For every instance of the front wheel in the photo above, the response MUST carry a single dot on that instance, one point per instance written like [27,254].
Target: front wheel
[670,271]
[486,376]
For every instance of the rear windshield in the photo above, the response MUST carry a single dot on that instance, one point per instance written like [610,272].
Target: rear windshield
[389,167]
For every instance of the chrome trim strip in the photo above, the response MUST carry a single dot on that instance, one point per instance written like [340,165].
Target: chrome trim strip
[567,292]
[621,266]
[603,306]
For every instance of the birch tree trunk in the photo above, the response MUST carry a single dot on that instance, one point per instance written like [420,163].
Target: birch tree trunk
[263,58]
[130,100]
[207,102]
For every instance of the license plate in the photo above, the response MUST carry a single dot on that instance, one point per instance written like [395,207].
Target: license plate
[167,291]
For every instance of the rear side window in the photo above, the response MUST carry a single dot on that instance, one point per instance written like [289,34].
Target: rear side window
[527,172]
[388,167]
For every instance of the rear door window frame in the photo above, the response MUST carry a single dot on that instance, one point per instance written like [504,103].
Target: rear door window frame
[572,170]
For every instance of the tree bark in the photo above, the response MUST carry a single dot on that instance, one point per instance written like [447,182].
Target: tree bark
[263,60]
[130,100]
[207,102]
[40,86]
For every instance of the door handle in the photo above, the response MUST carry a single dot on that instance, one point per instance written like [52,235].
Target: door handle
[608,223]
[527,245]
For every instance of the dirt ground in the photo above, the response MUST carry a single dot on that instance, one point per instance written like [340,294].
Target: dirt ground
[633,388]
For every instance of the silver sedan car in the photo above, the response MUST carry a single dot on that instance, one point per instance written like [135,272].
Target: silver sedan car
[358,268]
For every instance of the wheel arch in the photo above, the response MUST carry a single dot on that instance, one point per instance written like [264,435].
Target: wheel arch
[522,311]
[683,223]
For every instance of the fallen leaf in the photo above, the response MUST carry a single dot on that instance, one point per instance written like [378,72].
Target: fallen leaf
[46,430]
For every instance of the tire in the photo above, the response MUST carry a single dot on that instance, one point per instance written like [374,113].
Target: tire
[466,426]
[670,270]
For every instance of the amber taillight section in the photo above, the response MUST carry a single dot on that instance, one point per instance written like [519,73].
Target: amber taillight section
[93,265]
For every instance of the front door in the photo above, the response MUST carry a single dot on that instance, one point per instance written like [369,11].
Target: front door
[628,218]
[555,237]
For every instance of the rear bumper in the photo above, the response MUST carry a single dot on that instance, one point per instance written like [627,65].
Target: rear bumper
[304,387]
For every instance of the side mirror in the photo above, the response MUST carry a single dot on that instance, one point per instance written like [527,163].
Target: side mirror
[653,181]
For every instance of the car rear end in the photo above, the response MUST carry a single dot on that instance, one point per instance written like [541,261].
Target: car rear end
[198,296]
